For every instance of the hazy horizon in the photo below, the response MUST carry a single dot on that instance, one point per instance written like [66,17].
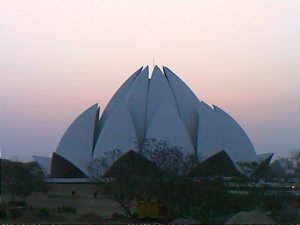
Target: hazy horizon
[57,58]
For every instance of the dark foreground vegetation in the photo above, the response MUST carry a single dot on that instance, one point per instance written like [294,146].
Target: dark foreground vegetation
[208,200]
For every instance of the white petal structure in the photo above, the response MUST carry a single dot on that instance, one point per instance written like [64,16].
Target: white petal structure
[117,99]
[239,144]
[118,133]
[44,163]
[218,131]
[207,133]
[187,102]
[159,93]
[167,125]
[77,144]
[161,108]
[135,99]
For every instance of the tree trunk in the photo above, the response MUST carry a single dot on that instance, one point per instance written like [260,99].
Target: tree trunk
[126,208]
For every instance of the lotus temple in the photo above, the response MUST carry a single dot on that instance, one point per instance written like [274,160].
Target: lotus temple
[156,107]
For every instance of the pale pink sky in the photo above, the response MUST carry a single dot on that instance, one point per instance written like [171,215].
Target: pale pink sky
[59,57]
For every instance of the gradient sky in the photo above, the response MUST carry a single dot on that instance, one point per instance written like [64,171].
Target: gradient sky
[57,58]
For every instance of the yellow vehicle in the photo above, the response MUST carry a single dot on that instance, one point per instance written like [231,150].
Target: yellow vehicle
[153,210]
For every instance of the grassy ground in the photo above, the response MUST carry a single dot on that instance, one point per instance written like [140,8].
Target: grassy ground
[101,207]
[83,201]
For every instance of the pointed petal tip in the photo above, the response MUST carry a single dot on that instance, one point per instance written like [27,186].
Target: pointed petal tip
[146,68]
[94,106]
[144,71]
[156,67]
[166,69]
[138,71]
[205,105]
[156,70]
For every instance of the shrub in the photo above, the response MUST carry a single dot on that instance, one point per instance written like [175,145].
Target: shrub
[15,213]
[273,203]
[28,217]
[67,209]
[119,217]
[42,213]
[3,213]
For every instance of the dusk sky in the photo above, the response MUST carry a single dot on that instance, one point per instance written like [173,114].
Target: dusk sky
[59,57]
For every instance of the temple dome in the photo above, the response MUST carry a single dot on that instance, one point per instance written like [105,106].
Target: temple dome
[161,107]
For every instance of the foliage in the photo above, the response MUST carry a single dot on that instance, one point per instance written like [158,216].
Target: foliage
[247,167]
[67,209]
[42,213]
[212,200]
[122,190]
[169,159]
[38,178]
[3,213]
[273,203]
[15,213]
[17,179]
[286,167]
[294,163]
[21,179]
[98,166]
[158,172]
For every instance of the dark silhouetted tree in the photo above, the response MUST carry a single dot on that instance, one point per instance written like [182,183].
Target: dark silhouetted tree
[17,180]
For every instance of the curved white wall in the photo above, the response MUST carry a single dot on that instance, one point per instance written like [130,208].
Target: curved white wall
[136,100]
[77,143]
[187,103]
[218,131]
[118,133]
[159,92]
[117,98]
[166,125]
